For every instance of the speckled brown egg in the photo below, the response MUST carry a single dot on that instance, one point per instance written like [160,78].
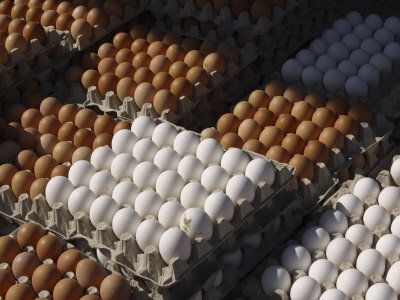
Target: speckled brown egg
[271,136]
[126,88]
[43,166]
[360,112]
[26,160]
[182,87]
[139,45]
[249,129]
[107,82]
[164,100]
[143,74]
[90,78]
[274,88]
[64,22]
[7,280]
[68,260]
[278,153]
[214,62]
[228,123]
[287,123]
[231,139]
[49,18]
[90,273]
[308,131]
[63,151]
[81,153]
[85,118]
[50,106]
[21,182]
[7,172]
[122,40]
[9,249]
[107,50]
[50,246]
[280,105]
[332,138]
[293,143]
[211,133]
[45,277]
[302,111]
[156,48]
[244,110]
[103,139]
[294,94]
[140,60]
[323,117]
[83,137]
[264,117]
[24,264]
[347,125]
[115,286]
[337,105]
[96,16]
[38,187]
[16,26]
[315,99]
[20,291]
[259,99]
[178,69]
[49,124]
[304,167]
[124,55]
[67,113]
[317,152]
[162,80]
[33,30]
[255,146]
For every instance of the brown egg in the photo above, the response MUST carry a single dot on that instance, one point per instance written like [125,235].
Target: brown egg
[107,82]
[154,35]
[7,172]
[16,26]
[46,143]
[103,139]
[271,136]
[278,153]
[208,46]
[162,80]
[67,113]
[244,110]
[315,99]
[156,48]
[259,9]
[96,16]
[90,273]
[49,246]
[6,6]
[228,123]
[43,166]
[317,152]
[68,260]
[49,18]
[255,146]
[293,144]
[249,129]
[81,27]
[64,22]
[170,39]
[65,7]
[80,12]
[111,7]
[139,46]
[323,117]
[107,50]
[189,44]
[347,125]
[231,139]
[4,21]
[197,74]
[337,105]
[160,63]
[85,118]
[304,168]
[33,30]
[24,264]
[67,131]
[18,11]
[125,69]
[90,78]
[16,40]
[308,131]
[3,36]
[81,153]
[294,94]
[104,124]
[9,249]
[33,14]
[122,125]
[124,55]
[122,40]
[302,111]
[360,112]
[259,99]
[21,182]
[144,93]
[175,53]
[107,65]
[9,151]
[38,187]
[182,87]
[26,160]
[178,69]
[50,106]
[264,117]
[31,118]
[332,138]
[164,100]
[194,58]
[138,32]
[67,289]
[126,88]
[280,105]
[50,4]
[20,291]
[63,151]
[45,277]
[83,137]
[49,124]
[358,161]
[29,234]
[141,59]
[211,133]
[142,75]
[287,123]
[115,286]
[6,280]
[90,297]
[214,62]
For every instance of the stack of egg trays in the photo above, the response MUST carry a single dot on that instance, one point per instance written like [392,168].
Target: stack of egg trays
[251,289]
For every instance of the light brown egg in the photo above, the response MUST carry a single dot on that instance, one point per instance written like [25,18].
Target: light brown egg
[271,136]
[31,118]
[7,172]
[50,246]
[49,124]
[249,129]
[115,286]
[50,106]
[90,78]
[21,182]
[244,110]
[33,14]
[178,69]
[154,35]
[323,117]
[304,167]
[68,260]
[124,55]
[46,143]
[264,117]
[160,63]
[337,105]
[26,160]
[115,8]
[347,125]
[18,11]
[162,80]
[49,18]
[83,137]
[259,99]
[90,273]
[107,65]
[156,48]
[29,234]
[7,280]
[164,100]
[294,94]
[182,87]
[45,277]
[64,22]
[124,124]
[332,138]
[194,58]
[280,105]
[67,289]
[50,4]
[231,139]
[197,74]
[81,153]
[65,7]
[85,118]
[16,40]
[67,113]
[211,133]
[293,143]
[126,88]
[144,93]
[107,82]
[96,16]
[104,124]
[103,139]
[142,75]
[138,32]
[81,27]
[107,50]
[63,151]
[43,166]
[125,69]
[317,152]
[360,112]
[67,131]
[308,131]
[24,264]
[38,187]
[302,111]
[175,53]
[9,249]
[141,59]
[287,123]
[80,12]
[255,146]
[214,62]
[122,40]
[20,291]
[33,30]
[278,153]
[315,99]
[259,9]
[139,45]
[228,123]
[16,26]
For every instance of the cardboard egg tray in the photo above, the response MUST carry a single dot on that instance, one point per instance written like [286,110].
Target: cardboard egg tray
[251,289]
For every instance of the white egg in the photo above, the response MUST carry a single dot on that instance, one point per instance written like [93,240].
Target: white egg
[123,141]
[148,203]
[170,214]
[58,190]
[193,194]
[214,178]
[305,288]
[388,245]
[393,276]
[334,80]
[186,143]
[373,21]
[325,63]
[370,46]
[253,240]
[102,158]
[395,227]
[219,206]
[196,223]
[330,36]
[333,294]
[144,150]
[342,27]
[382,63]
[392,51]
[359,234]
[235,160]
[370,74]
[381,291]
[323,270]
[233,259]
[240,187]
[145,175]
[149,233]
[370,262]
[348,68]
[315,238]
[291,71]
[169,184]
[352,282]
[395,171]
[102,183]
[318,47]
[375,216]
[167,159]
[383,36]
[209,151]
[311,76]
[174,243]
[338,51]
[296,257]
[356,87]
[392,24]
[333,221]
[362,31]
[389,198]
[354,18]
[80,200]
[125,193]
[341,250]
[80,172]
[274,278]
[126,220]
[305,57]
[350,204]
[103,256]
[366,188]
[190,168]
[123,165]
[143,127]
[359,57]
[103,209]
[260,171]
[164,135]
[351,41]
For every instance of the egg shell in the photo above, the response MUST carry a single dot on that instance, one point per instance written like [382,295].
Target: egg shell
[296,257]
[193,194]
[359,234]
[315,238]
[125,193]
[145,175]
[167,159]
[341,250]
[169,184]
[122,166]
[170,213]
[143,127]
[80,173]
[305,288]
[102,158]
[219,206]
[186,142]
[333,221]
[388,245]
[147,203]
[174,243]
[350,204]
[67,287]
[149,233]
[58,190]
[370,262]
[275,277]
[352,282]
[380,291]
[126,220]
[80,200]
[323,271]
[103,209]
[366,188]
[196,223]
[164,135]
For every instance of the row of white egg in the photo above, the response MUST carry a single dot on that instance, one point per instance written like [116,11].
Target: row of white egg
[353,281]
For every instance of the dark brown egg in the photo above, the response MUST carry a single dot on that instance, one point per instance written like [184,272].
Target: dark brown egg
[178,69]
[29,234]
[264,117]
[274,88]
[255,146]
[24,264]
[122,125]
[308,131]
[63,151]
[43,166]
[31,118]
[84,137]
[244,110]
[249,129]
[304,168]
[49,18]
[68,260]
[20,291]
[107,50]
[50,4]
[259,9]
[323,117]
[347,125]
[231,139]
[21,182]
[67,289]
[49,124]
[7,172]
[26,160]
[287,123]
[9,249]
[332,138]
[302,111]
[165,100]
[45,277]
[315,99]
[81,153]
[96,16]
[38,187]
[64,22]
[126,88]
[33,14]
[337,105]
[6,281]
[85,118]
[90,273]
[103,139]
[211,133]
[143,74]
[138,32]
[104,124]
[156,48]
[50,106]
[115,286]
[182,87]
[49,246]
[154,35]
[122,40]
[271,136]
[278,153]
[139,46]
[228,123]
[33,30]
[360,112]
[280,105]
[293,144]
[67,113]
[4,21]
[317,152]
[5,7]
[259,99]
[18,11]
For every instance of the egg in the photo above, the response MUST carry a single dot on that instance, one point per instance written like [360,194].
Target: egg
[366,188]
[382,63]
[350,205]
[209,151]
[291,71]
[49,246]
[271,136]
[315,238]
[275,277]
[383,36]
[115,286]
[380,290]
[126,220]
[145,174]
[370,74]
[362,31]
[351,41]
[67,288]
[80,173]
[149,233]
[7,280]
[305,288]
[274,88]
[58,190]
[323,271]
[325,63]
[219,206]
[371,262]
[388,198]
[185,142]
[234,161]
[162,80]
[318,47]
[395,227]
[333,80]
[80,200]
[193,194]
[90,273]
[391,24]
[330,36]
[174,243]
[375,216]
[20,291]
[311,76]
[102,158]
[264,117]
[102,183]
[9,249]
[196,224]
[170,213]
[240,187]
[338,51]
[22,182]
[278,153]
[211,133]
[359,234]
[352,282]
[392,276]
[190,168]
[294,94]
[341,250]
[304,168]
[287,123]
[244,110]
